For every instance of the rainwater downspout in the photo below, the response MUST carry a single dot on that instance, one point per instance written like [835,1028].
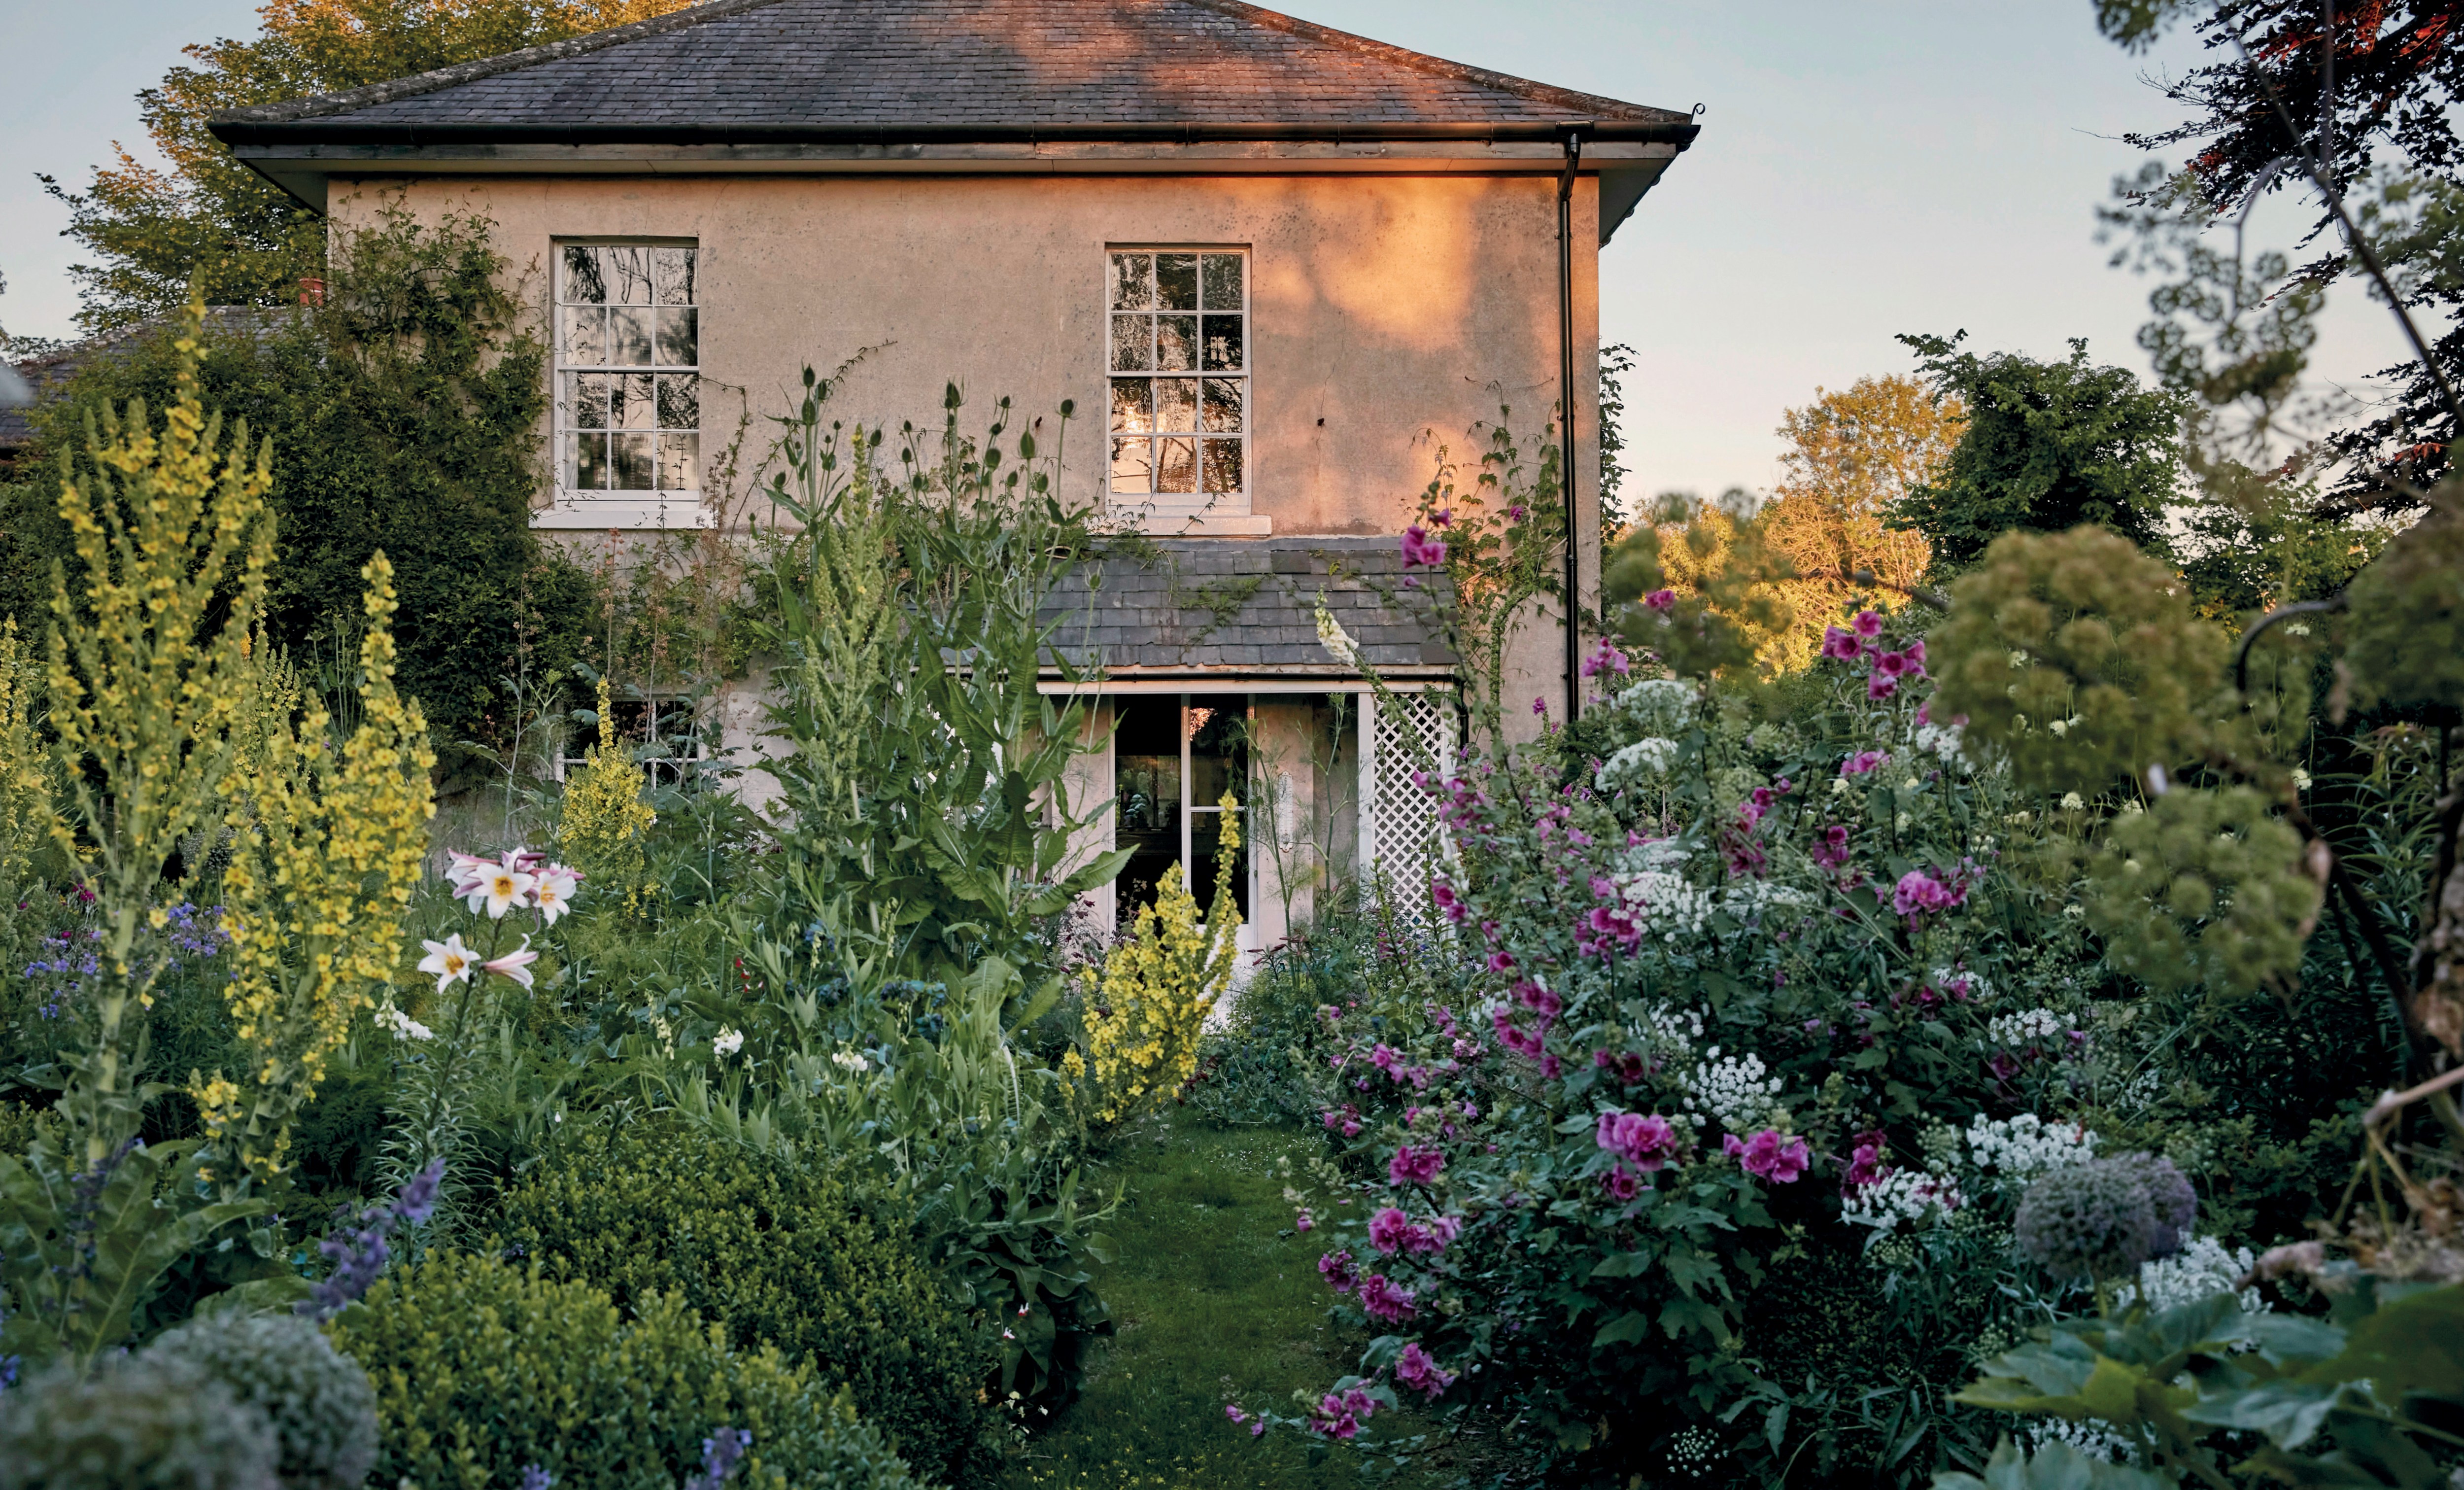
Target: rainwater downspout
[1574,145]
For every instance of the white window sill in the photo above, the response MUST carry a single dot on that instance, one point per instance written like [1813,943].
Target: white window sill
[598,514]
[1205,525]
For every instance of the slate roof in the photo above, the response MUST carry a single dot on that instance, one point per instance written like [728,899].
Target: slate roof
[750,70]
[1232,606]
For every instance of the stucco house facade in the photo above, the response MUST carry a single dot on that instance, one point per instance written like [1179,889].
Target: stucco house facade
[1271,264]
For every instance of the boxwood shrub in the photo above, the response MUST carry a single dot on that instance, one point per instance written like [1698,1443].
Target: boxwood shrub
[483,1368]
[780,1255]
[136,1423]
[316,1399]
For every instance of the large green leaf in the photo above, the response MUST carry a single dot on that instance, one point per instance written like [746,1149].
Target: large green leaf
[2057,1466]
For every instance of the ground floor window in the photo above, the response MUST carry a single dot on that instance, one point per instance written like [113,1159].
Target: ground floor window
[1174,756]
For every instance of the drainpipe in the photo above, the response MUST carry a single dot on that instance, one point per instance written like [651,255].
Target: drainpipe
[1574,145]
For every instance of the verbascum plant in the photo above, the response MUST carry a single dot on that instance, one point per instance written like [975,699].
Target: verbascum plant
[25,774]
[605,827]
[1149,1005]
[326,852]
[147,669]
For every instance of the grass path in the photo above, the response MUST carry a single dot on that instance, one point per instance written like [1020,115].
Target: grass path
[1209,1303]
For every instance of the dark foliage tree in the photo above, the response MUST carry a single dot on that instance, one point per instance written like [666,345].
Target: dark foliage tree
[2049,445]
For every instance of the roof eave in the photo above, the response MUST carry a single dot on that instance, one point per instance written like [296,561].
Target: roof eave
[1678,131]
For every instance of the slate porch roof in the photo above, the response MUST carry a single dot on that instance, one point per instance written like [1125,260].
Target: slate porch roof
[749,70]
[1212,608]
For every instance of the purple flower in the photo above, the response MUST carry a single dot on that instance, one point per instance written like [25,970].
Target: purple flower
[1623,1184]
[1605,659]
[1841,645]
[1831,850]
[1647,1142]
[1336,1267]
[1864,761]
[1919,893]
[1415,1369]
[1867,624]
[1661,600]
[1384,1301]
[535,1477]
[1880,686]
[359,1256]
[1421,550]
[720,1454]
[1412,1165]
[1768,1155]
[1233,1412]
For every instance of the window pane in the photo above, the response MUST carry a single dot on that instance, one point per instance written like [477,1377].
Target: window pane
[585,277]
[1132,281]
[1177,281]
[585,334]
[1175,343]
[678,345]
[1223,343]
[1175,404]
[679,462]
[629,275]
[671,270]
[1221,414]
[1222,281]
[632,464]
[1223,465]
[629,402]
[1131,348]
[1132,464]
[586,400]
[679,401]
[1177,465]
[629,337]
[1132,405]
[586,462]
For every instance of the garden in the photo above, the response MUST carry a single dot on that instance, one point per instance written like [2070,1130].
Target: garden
[1993,1021]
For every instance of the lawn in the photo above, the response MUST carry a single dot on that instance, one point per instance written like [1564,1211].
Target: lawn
[1214,1300]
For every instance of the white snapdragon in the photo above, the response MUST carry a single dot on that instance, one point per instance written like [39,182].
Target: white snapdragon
[2026,1145]
[1643,761]
[402,1026]
[2026,1027]
[2200,1270]
[1737,1090]
[728,1042]
[850,1060]
[1904,1197]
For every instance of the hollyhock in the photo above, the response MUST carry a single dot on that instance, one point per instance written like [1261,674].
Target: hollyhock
[1880,686]
[1419,550]
[1919,893]
[1864,761]
[1448,903]
[1831,850]
[1336,1267]
[1537,998]
[1646,1141]
[1867,1161]
[1417,1369]
[1841,644]
[1868,624]
[1391,1231]
[1412,1165]
[450,960]
[1623,1184]
[1781,1161]
[1606,658]
[1660,599]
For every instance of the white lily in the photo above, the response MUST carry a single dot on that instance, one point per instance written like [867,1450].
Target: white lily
[502,886]
[553,891]
[450,960]
[514,965]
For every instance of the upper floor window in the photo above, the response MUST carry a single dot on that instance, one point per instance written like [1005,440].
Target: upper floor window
[1178,361]
[627,387]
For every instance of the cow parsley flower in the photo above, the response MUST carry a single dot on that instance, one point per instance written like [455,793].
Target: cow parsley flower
[2026,1145]
[1736,1090]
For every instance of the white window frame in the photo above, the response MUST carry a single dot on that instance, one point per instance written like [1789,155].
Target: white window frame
[1196,512]
[599,509]
[658,770]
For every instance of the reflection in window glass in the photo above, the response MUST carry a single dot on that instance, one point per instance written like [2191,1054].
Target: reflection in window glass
[1184,313]
[622,310]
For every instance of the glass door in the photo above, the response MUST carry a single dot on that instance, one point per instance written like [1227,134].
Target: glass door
[1174,756]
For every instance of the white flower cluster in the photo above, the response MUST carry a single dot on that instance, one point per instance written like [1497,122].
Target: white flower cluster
[1660,705]
[850,1060]
[1943,742]
[1748,899]
[1667,904]
[728,1042]
[2094,1440]
[2027,1145]
[402,1026]
[1735,1090]
[1910,1197]
[1959,980]
[2201,1270]
[2027,1027]
[1639,764]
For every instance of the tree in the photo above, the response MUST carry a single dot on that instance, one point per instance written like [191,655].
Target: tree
[2268,106]
[1850,456]
[211,220]
[2049,445]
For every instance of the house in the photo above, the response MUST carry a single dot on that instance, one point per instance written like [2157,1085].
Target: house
[1278,260]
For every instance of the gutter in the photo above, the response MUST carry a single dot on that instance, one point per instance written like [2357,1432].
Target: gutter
[316,131]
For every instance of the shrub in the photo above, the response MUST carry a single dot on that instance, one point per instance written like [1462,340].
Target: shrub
[482,1368]
[141,1424]
[777,1254]
[319,1402]
[1147,1009]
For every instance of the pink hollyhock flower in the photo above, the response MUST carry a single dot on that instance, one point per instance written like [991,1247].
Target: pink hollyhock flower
[1919,893]
[1304,1222]
[1448,903]
[1891,664]
[1916,656]
[1537,998]
[1417,1369]
[1233,1412]
[1539,705]
[1623,1184]
[1880,686]
[1839,644]
[1383,1057]
[1500,961]
[1831,850]
[1660,599]
[1391,1231]
[1605,659]
[1384,1301]
[1781,1161]
[1421,552]
[1864,761]
[1867,1161]
[1445,519]
[1646,1141]
[1412,1165]
[1868,624]
[1336,1267]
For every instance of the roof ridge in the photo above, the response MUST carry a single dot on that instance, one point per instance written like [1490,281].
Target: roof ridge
[1433,66]
[318,104]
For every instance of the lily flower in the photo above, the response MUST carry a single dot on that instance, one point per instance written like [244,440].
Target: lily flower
[552,891]
[514,965]
[469,870]
[450,960]
[501,887]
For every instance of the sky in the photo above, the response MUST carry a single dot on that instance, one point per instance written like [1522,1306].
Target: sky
[1864,170]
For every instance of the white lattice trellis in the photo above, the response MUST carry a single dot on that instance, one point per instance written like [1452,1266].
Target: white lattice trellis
[1400,838]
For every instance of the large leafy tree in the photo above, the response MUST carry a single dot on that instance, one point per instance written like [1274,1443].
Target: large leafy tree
[1851,455]
[2048,446]
[209,219]
[2375,92]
